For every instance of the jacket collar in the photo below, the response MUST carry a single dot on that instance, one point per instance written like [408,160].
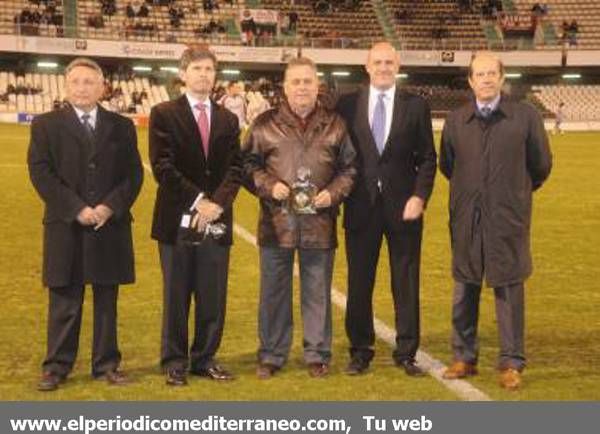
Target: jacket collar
[504,109]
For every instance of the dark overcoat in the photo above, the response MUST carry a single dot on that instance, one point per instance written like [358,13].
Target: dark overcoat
[70,171]
[493,166]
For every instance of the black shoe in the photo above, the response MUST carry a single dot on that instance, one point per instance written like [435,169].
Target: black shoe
[176,377]
[214,372]
[410,367]
[357,366]
[49,382]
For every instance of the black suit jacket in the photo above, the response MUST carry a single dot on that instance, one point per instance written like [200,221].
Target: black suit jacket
[183,171]
[70,171]
[406,167]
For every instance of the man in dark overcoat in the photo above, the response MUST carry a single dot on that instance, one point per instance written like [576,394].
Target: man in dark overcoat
[495,153]
[84,163]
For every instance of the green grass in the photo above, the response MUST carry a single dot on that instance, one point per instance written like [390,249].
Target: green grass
[563,322]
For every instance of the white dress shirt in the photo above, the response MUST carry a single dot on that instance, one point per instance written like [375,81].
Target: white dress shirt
[194,101]
[388,101]
[93,115]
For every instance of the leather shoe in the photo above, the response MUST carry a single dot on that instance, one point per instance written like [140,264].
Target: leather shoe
[318,370]
[357,366]
[114,378]
[410,368]
[264,371]
[49,382]
[510,379]
[214,372]
[459,369]
[176,377]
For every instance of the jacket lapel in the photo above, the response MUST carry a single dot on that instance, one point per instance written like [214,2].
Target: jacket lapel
[366,141]
[397,119]
[188,124]
[77,131]
[215,126]
[104,126]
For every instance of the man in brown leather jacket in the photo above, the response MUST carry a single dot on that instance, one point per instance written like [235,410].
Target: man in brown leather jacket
[300,139]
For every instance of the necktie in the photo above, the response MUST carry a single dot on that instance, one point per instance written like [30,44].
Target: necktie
[486,111]
[87,125]
[203,126]
[378,125]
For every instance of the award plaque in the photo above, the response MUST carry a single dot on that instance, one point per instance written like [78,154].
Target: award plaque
[190,235]
[303,192]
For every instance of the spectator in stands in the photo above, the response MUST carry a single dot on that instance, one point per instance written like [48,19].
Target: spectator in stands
[96,21]
[248,27]
[293,18]
[490,214]
[136,8]
[176,14]
[322,7]
[108,7]
[388,201]
[559,117]
[256,104]
[235,102]
[87,224]
[278,157]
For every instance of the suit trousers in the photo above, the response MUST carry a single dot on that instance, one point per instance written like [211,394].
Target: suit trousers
[64,324]
[199,271]
[510,316]
[362,255]
[275,320]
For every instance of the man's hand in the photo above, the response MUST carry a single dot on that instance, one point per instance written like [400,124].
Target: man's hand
[413,208]
[207,211]
[87,217]
[102,214]
[280,191]
[323,199]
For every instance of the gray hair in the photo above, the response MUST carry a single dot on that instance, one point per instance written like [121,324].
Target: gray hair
[300,61]
[85,62]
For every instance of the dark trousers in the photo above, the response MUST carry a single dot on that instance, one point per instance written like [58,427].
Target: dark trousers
[275,322]
[199,271]
[362,255]
[64,324]
[510,316]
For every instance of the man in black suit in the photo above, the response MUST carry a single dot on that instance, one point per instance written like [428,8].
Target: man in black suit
[195,156]
[84,163]
[392,133]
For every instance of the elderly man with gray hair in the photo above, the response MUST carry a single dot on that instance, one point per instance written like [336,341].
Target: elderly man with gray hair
[84,164]
[301,161]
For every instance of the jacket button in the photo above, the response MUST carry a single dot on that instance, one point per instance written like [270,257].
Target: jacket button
[207,172]
[92,166]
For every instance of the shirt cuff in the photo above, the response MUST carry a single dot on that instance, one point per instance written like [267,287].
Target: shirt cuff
[198,199]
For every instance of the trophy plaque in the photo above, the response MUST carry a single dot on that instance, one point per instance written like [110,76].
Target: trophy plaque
[303,192]
[190,235]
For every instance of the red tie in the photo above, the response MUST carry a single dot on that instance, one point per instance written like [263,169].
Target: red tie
[203,126]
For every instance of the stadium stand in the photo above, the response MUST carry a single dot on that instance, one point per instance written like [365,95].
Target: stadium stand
[31,17]
[582,102]
[38,93]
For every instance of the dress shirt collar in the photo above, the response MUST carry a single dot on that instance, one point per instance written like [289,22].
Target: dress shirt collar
[93,115]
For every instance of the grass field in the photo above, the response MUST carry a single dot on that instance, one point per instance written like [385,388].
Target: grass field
[563,301]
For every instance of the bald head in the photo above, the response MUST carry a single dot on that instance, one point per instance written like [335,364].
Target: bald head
[382,65]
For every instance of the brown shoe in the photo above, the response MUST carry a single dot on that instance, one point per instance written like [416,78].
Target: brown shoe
[459,369]
[50,381]
[264,371]
[510,379]
[318,370]
[114,378]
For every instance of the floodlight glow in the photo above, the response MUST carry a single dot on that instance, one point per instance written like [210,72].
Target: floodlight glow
[341,73]
[47,65]
[231,71]
[142,68]
[571,76]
